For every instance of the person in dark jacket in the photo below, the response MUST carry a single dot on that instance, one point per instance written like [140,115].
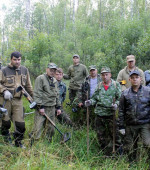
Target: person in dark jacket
[134,115]
[147,77]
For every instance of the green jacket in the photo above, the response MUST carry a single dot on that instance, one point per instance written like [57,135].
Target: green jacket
[103,99]
[46,91]
[76,74]
[124,75]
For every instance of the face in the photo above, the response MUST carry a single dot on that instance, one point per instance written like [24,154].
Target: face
[93,73]
[58,76]
[135,80]
[131,64]
[15,62]
[50,72]
[106,77]
[76,60]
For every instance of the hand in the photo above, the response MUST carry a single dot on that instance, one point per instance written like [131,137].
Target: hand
[87,103]
[42,111]
[122,131]
[114,106]
[80,104]
[7,95]
[58,112]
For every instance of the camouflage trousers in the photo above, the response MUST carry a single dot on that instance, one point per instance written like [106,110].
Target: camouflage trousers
[42,125]
[15,114]
[72,95]
[132,135]
[104,129]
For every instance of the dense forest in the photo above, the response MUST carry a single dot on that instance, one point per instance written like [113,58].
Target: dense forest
[102,32]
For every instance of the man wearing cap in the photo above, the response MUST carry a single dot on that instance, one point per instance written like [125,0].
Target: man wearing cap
[105,99]
[46,95]
[88,88]
[76,74]
[123,76]
[134,115]
[11,77]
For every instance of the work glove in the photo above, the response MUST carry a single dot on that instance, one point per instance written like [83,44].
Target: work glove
[42,111]
[7,95]
[88,103]
[122,131]
[114,106]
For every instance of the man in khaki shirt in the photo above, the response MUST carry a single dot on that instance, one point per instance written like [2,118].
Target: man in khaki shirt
[123,76]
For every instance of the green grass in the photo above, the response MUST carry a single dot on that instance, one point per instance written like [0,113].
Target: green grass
[71,155]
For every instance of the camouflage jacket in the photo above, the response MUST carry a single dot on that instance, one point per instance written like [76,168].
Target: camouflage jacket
[103,99]
[134,107]
[46,91]
[11,78]
[82,93]
[76,74]
[62,91]
[124,75]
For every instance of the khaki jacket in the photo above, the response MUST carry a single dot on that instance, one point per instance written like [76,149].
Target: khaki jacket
[124,75]
[11,78]
[46,91]
[76,74]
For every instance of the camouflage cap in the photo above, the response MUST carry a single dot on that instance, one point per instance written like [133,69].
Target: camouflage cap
[105,70]
[130,58]
[52,65]
[76,55]
[92,67]
[134,72]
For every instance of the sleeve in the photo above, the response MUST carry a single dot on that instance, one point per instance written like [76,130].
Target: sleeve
[2,80]
[38,91]
[86,72]
[68,75]
[121,112]
[118,93]
[119,77]
[143,78]
[64,93]
[94,97]
[58,102]
[28,86]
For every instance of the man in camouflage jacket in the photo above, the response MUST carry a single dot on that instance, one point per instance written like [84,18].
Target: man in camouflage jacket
[76,74]
[11,77]
[46,95]
[88,88]
[134,115]
[105,99]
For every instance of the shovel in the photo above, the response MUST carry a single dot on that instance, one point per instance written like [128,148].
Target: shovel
[65,136]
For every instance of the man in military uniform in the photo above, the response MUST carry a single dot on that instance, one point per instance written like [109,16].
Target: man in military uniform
[134,115]
[13,76]
[46,96]
[123,76]
[76,73]
[106,100]
[63,117]
[88,88]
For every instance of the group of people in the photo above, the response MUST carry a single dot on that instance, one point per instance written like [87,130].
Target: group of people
[127,98]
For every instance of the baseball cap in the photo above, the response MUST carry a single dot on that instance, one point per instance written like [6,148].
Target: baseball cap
[134,72]
[52,65]
[92,67]
[105,70]
[76,55]
[130,58]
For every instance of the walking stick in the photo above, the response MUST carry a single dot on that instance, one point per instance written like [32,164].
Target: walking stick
[114,128]
[87,118]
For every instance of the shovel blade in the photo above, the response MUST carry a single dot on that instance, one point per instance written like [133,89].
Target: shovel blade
[65,137]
